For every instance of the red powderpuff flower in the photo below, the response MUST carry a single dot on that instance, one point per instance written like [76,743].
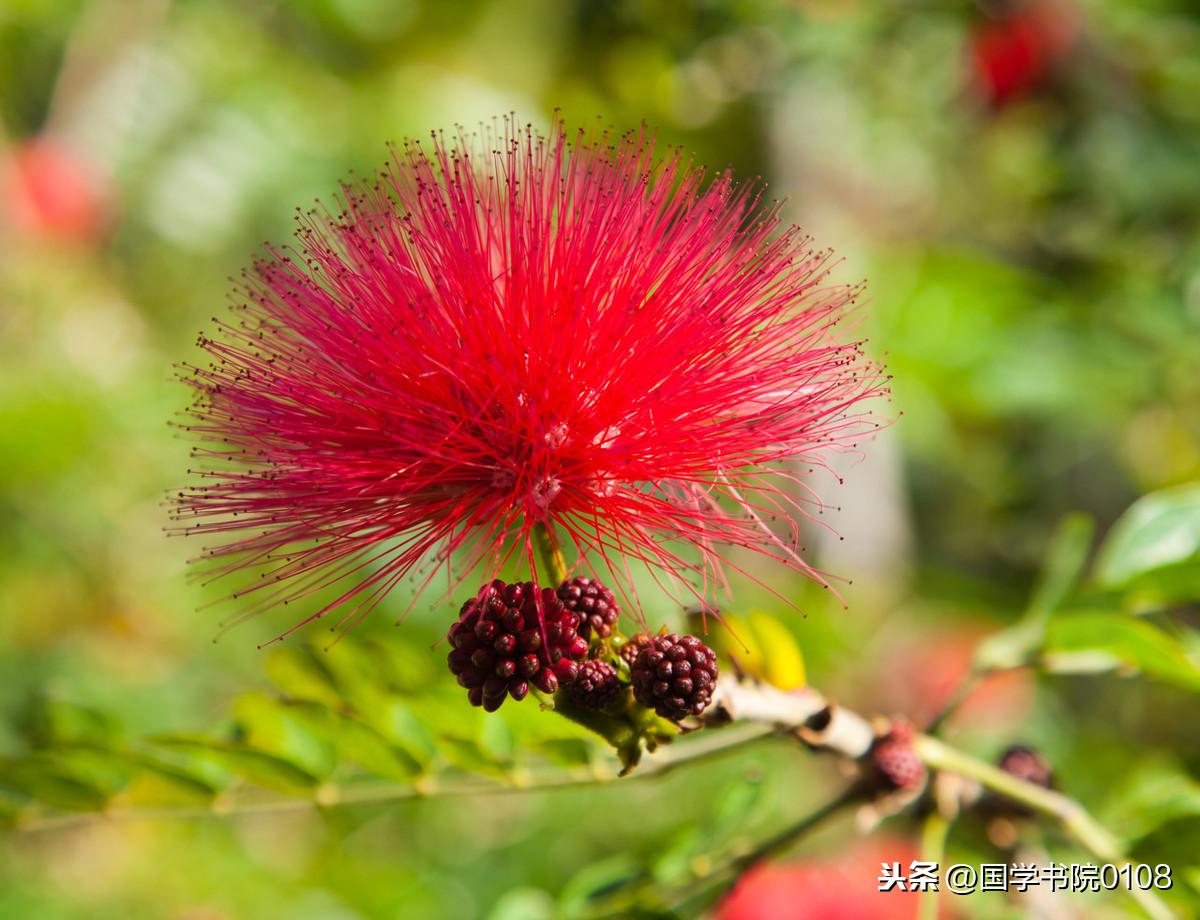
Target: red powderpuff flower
[511,331]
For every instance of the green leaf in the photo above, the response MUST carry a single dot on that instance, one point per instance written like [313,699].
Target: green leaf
[358,742]
[402,727]
[1175,843]
[55,789]
[568,753]
[1155,794]
[396,666]
[1065,559]
[467,737]
[734,807]
[183,755]
[299,672]
[728,814]
[674,860]
[366,747]
[72,779]
[523,904]
[1159,530]
[287,731]
[106,770]
[11,805]
[244,763]
[469,755]
[1114,640]
[160,786]
[498,739]
[54,721]
[594,881]
[266,770]
[1163,587]
[529,726]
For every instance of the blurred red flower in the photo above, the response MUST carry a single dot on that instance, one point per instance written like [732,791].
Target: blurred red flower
[518,330]
[842,888]
[1014,53]
[48,191]
[921,675]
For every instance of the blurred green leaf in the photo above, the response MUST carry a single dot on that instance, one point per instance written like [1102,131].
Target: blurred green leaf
[1155,794]
[528,727]
[735,806]
[1175,843]
[523,904]
[404,728]
[1159,530]
[1104,640]
[287,730]
[1065,559]
[172,754]
[366,748]
[469,754]
[728,814]
[361,744]
[73,779]
[673,862]
[1164,587]
[11,804]
[568,753]
[597,880]
[498,739]
[401,666]
[244,763]
[467,737]
[159,786]
[299,672]
[54,721]
[51,787]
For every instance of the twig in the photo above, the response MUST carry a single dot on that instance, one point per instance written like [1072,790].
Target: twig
[812,717]
[1072,816]
[933,850]
[823,725]
[666,760]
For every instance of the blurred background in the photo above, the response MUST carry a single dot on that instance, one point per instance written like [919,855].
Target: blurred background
[1018,181]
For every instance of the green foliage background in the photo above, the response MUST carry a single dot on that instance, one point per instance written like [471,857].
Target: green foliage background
[1034,278]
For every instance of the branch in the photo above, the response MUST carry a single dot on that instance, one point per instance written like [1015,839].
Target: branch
[665,760]
[822,724]
[1075,820]
[816,720]
[933,849]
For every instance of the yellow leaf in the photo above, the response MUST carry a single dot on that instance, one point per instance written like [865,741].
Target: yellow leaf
[783,660]
[759,646]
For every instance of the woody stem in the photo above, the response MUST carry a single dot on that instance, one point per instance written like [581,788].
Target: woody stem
[822,725]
